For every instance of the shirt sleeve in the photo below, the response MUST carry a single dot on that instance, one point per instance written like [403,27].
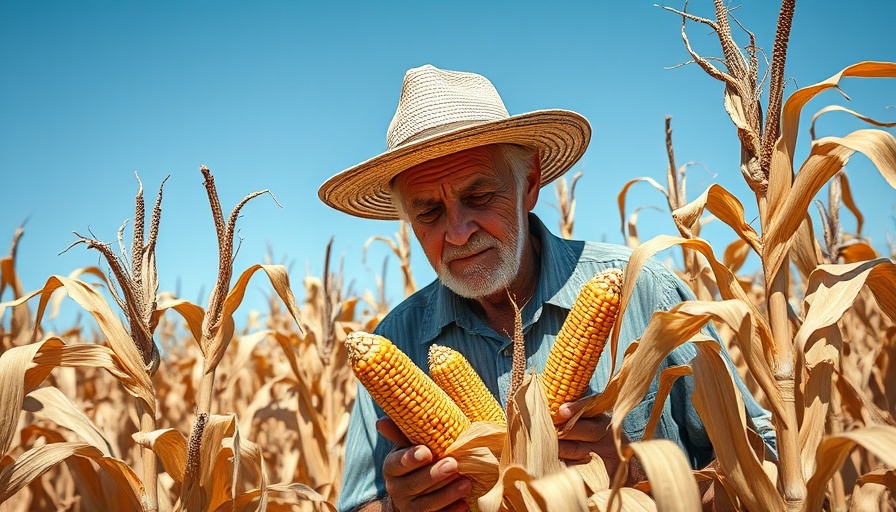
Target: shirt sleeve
[365,451]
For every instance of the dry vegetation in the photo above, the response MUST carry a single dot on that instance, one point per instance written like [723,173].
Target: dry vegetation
[177,408]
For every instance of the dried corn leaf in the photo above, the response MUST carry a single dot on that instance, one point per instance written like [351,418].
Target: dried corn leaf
[530,443]
[301,492]
[729,286]
[219,459]
[725,207]
[594,474]
[832,290]
[279,280]
[781,170]
[23,368]
[627,499]
[477,451]
[821,359]
[58,296]
[20,323]
[856,252]
[127,357]
[37,461]
[519,490]
[838,108]
[620,200]
[170,446]
[735,254]
[877,439]
[49,403]
[826,158]
[190,312]
[805,251]
[720,406]
[667,379]
[669,472]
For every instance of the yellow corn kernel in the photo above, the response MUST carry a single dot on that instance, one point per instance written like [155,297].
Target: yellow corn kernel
[454,374]
[415,403]
[581,339]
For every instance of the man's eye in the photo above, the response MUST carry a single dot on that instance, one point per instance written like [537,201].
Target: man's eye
[479,199]
[428,216]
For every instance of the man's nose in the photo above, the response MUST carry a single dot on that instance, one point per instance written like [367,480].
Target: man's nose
[461,225]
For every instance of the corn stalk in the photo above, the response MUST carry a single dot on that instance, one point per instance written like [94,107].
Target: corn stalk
[137,299]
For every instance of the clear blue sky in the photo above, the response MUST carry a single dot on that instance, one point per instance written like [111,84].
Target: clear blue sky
[281,95]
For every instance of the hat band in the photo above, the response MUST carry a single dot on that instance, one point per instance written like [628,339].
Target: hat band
[436,130]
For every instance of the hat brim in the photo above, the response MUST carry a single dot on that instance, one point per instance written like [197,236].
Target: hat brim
[560,136]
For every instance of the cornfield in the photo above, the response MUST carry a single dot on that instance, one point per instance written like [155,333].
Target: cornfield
[171,405]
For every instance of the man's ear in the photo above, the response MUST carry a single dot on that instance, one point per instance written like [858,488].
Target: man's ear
[533,183]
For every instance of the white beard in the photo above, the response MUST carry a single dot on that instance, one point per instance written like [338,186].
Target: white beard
[480,280]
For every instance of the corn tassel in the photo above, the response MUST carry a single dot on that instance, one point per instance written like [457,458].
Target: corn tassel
[581,339]
[454,374]
[423,412]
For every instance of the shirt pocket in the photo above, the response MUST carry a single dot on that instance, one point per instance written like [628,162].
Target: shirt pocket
[636,420]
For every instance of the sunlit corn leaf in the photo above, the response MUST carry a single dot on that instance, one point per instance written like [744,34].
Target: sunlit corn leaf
[20,323]
[729,285]
[877,439]
[788,198]
[477,451]
[669,472]
[832,290]
[620,200]
[23,368]
[59,295]
[190,312]
[804,250]
[219,457]
[246,345]
[822,357]
[299,492]
[35,462]
[667,379]
[857,251]
[530,452]
[839,108]
[313,443]
[626,499]
[594,474]
[725,207]
[720,406]
[735,254]
[170,446]
[49,403]
[127,357]
[279,280]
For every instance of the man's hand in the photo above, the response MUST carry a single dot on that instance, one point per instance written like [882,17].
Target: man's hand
[414,481]
[592,435]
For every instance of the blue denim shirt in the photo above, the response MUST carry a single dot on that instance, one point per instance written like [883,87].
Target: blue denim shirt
[436,315]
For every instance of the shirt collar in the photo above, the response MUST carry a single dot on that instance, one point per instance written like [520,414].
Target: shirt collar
[557,285]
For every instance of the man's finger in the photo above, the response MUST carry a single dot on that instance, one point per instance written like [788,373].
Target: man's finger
[588,429]
[388,429]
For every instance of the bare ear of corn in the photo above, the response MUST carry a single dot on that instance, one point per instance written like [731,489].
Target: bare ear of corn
[581,339]
[420,408]
[454,374]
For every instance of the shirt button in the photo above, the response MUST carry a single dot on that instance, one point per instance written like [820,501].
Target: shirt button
[508,351]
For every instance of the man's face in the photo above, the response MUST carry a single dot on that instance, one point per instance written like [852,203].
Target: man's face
[468,217]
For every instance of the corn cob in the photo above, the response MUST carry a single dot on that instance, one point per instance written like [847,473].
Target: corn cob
[418,406]
[453,373]
[581,339]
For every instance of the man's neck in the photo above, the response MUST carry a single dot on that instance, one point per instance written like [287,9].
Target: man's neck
[497,310]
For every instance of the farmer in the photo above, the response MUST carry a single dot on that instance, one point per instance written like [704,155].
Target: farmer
[466,176]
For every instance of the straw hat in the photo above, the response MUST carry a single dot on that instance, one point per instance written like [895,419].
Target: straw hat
[442,112]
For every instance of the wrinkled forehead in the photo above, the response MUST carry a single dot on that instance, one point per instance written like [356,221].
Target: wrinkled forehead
[454,170]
